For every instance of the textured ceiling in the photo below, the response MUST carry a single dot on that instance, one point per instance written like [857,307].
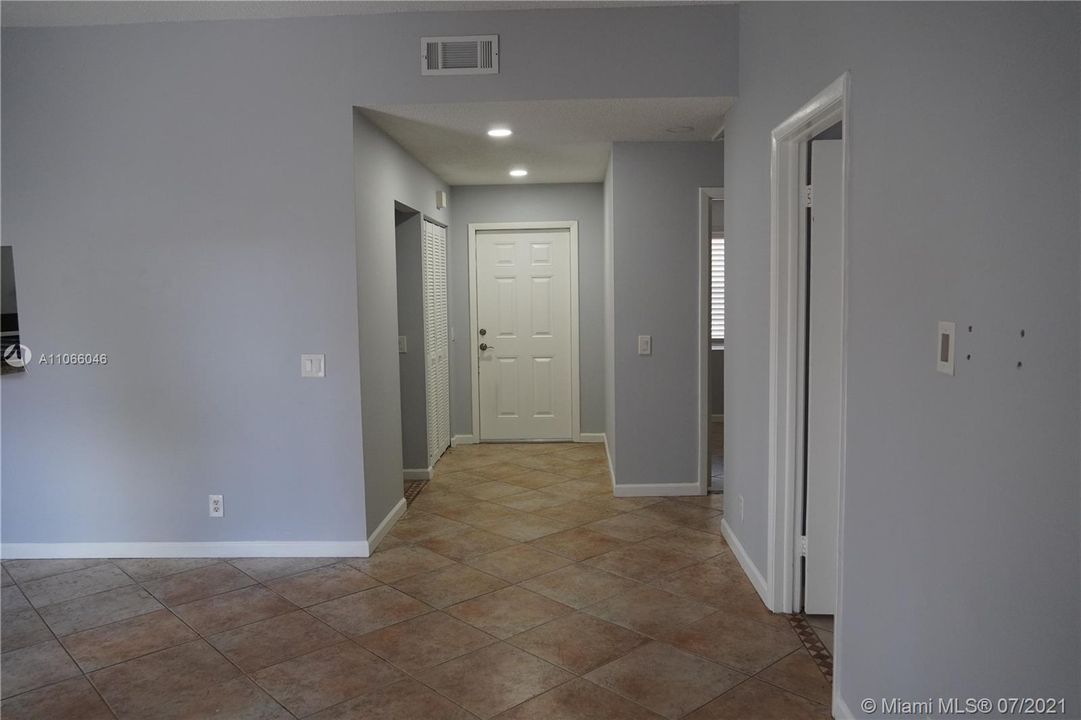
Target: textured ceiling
[44,13]
[558,141]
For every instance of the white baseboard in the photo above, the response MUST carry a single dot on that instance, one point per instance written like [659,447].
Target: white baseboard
[717,418]
[380,532]
[472,440]
[611,466]
[840,708]
[241,548]
[744,559]
[417,474]
[657,489]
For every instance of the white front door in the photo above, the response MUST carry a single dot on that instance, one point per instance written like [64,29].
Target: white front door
[824,331]
[524,325]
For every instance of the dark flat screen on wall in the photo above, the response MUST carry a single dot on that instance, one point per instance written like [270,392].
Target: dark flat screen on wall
[10,342]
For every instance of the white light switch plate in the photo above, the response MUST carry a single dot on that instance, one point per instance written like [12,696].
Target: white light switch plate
[403,344]
[645,344]
[313,365]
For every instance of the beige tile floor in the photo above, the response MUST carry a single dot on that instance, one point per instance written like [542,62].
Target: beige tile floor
[515,586]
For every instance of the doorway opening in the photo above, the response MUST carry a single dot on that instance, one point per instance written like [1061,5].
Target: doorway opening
[523,282]
[711,333]
[423,340]
[820,338]
[807,358]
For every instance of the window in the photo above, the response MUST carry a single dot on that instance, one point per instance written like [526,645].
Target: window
[716,274]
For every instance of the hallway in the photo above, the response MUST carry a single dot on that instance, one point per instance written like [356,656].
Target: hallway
[640,596]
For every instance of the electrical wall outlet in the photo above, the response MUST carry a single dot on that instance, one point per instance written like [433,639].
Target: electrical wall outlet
[740,503]
[217,506]
[403,344]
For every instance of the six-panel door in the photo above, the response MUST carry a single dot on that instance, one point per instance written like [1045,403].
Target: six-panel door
[524,319]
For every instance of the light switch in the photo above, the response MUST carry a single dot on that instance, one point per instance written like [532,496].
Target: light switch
[402,344]
[313,365]
[645,344]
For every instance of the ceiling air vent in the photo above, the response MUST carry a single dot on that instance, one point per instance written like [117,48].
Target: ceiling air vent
[467,55]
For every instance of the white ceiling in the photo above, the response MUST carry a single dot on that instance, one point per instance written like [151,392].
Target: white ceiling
[558,141]
[45,13]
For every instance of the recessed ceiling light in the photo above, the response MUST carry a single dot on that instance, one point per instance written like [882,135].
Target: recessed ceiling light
[519,172]
[500,132]
[681,129]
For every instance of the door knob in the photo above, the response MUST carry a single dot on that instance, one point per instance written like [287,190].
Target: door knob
[486,346]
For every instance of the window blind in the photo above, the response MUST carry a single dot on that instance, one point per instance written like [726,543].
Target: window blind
[716,308]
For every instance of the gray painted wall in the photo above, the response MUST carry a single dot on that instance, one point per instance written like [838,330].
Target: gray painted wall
[385,174]
[962,494]
[408,239]
[523,203]
[656,245]
[181,195]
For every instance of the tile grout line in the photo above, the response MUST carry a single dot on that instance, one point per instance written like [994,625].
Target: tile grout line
[504,641]
[346,638]
[199,637]
[742,674]
[204,638]
[781,687]
[57,638]
[349,638]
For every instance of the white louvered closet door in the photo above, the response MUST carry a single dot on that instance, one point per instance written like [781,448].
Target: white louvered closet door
[436,340]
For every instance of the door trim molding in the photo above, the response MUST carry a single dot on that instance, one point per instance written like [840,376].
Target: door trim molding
[822,111]
[474,362]
[705,236]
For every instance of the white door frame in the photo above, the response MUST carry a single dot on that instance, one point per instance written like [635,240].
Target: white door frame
[822,111]
[705,234]
[474,361]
